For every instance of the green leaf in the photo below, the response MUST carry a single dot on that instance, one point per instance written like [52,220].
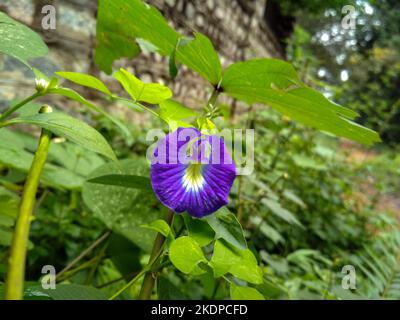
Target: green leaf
[267,230]
[73,157]
[52,175]
[240,263]
[276,84]
[31,292]
[227,227]
[280,212]
[29,109]
[166,290]
[247,269]
[259,74]
[13,154]
[173,112]
[110,32]
[199,230]
[73,292]
[20,41]
[290,195]
[146,46]
[6,221]
[9,202]
[153,93]
[199,55]
[244,293]
[69,93]
[124,210]
[186,254]
[140,20]
[205,125]
[126,181]
[173,68]
[73,129]
[5,237]
[85,80]
[160,226]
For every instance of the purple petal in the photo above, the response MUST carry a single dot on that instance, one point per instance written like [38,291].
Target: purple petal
[192,172]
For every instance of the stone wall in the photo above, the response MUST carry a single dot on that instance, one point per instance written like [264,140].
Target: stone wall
[236,27]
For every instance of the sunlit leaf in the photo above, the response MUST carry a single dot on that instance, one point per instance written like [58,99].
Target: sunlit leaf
[244,293]
[199,230]
[85,80]
[240,263]
[185,253]
[173,113]
[160,226]
[153,93]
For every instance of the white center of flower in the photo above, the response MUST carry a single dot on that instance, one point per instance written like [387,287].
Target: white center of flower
[193,178]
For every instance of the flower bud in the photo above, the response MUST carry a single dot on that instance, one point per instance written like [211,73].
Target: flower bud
[41,84]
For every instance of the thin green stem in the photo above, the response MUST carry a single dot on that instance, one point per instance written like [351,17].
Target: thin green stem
[213,98]
[14,108]
[210,108]
[148,281]
[148,268]
[5,124]
[94,268]
[85,252]
[16,269]
[139,105]
[83,266]
[150,278]
[132,274]
[240,200]
[130,283]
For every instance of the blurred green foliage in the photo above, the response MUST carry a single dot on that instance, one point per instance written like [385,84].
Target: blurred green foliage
[368,54]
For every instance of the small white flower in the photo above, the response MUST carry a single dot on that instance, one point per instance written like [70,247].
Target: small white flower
[41,84]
